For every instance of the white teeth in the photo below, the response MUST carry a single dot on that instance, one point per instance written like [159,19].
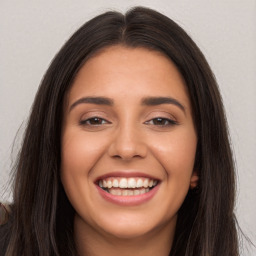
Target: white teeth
[115,183]
[109,184]
[128,192]
[145,183]
[136,192]
[123,183]
[133,182]
[139,183]
[114,192]
[125,192]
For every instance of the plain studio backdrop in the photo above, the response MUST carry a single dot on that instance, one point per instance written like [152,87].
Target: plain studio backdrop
[33,31]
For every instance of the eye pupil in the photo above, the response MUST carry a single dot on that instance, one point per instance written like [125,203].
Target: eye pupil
[159,121]
[95,120]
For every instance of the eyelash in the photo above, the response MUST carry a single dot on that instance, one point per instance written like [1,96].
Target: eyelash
[167,122]
[92,119]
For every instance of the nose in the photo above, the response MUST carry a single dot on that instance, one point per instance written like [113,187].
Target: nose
[127,144]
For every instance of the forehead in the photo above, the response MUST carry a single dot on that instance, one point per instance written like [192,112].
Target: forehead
[123,71]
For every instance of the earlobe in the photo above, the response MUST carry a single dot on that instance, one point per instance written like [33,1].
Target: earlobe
[194,180]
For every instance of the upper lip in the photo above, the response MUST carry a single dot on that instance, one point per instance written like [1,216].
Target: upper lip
[125,174]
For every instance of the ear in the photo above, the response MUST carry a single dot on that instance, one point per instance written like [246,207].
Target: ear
[194,180]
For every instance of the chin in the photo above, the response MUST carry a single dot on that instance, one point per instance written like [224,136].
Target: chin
[133,225]
[128,231]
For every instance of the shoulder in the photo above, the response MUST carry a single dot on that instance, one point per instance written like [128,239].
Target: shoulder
[5,227]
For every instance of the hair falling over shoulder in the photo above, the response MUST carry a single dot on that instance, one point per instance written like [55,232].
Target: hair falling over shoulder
[41,221]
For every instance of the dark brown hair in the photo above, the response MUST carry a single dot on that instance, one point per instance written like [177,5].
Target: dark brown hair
[42,217]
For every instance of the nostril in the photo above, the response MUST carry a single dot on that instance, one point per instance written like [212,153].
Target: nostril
[117,156]
[126,157]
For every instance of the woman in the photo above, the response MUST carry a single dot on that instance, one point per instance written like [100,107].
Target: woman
[126,150]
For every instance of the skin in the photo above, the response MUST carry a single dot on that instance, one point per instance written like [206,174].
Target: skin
[128,137]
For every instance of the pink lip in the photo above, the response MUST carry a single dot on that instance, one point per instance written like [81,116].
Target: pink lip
[128,200]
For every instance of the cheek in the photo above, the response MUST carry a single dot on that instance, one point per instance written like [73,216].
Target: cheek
[80,151]
[176,152]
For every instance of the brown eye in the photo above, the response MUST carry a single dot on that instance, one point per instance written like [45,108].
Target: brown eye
[94,121]
[159,121]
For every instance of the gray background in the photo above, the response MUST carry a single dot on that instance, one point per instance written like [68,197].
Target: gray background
[225,30]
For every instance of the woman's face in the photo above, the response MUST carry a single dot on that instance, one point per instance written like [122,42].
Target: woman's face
[128,143]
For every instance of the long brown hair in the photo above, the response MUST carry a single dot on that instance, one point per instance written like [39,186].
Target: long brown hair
[42,217]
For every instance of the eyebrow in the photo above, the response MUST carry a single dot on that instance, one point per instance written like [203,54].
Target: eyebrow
[148,101]
[153,101]
[93,100]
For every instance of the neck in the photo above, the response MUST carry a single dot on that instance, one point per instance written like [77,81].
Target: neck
[92,242]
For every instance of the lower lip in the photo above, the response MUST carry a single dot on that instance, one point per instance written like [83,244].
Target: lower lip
[128,200]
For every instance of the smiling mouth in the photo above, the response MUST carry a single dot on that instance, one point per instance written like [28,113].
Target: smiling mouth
[120,186]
